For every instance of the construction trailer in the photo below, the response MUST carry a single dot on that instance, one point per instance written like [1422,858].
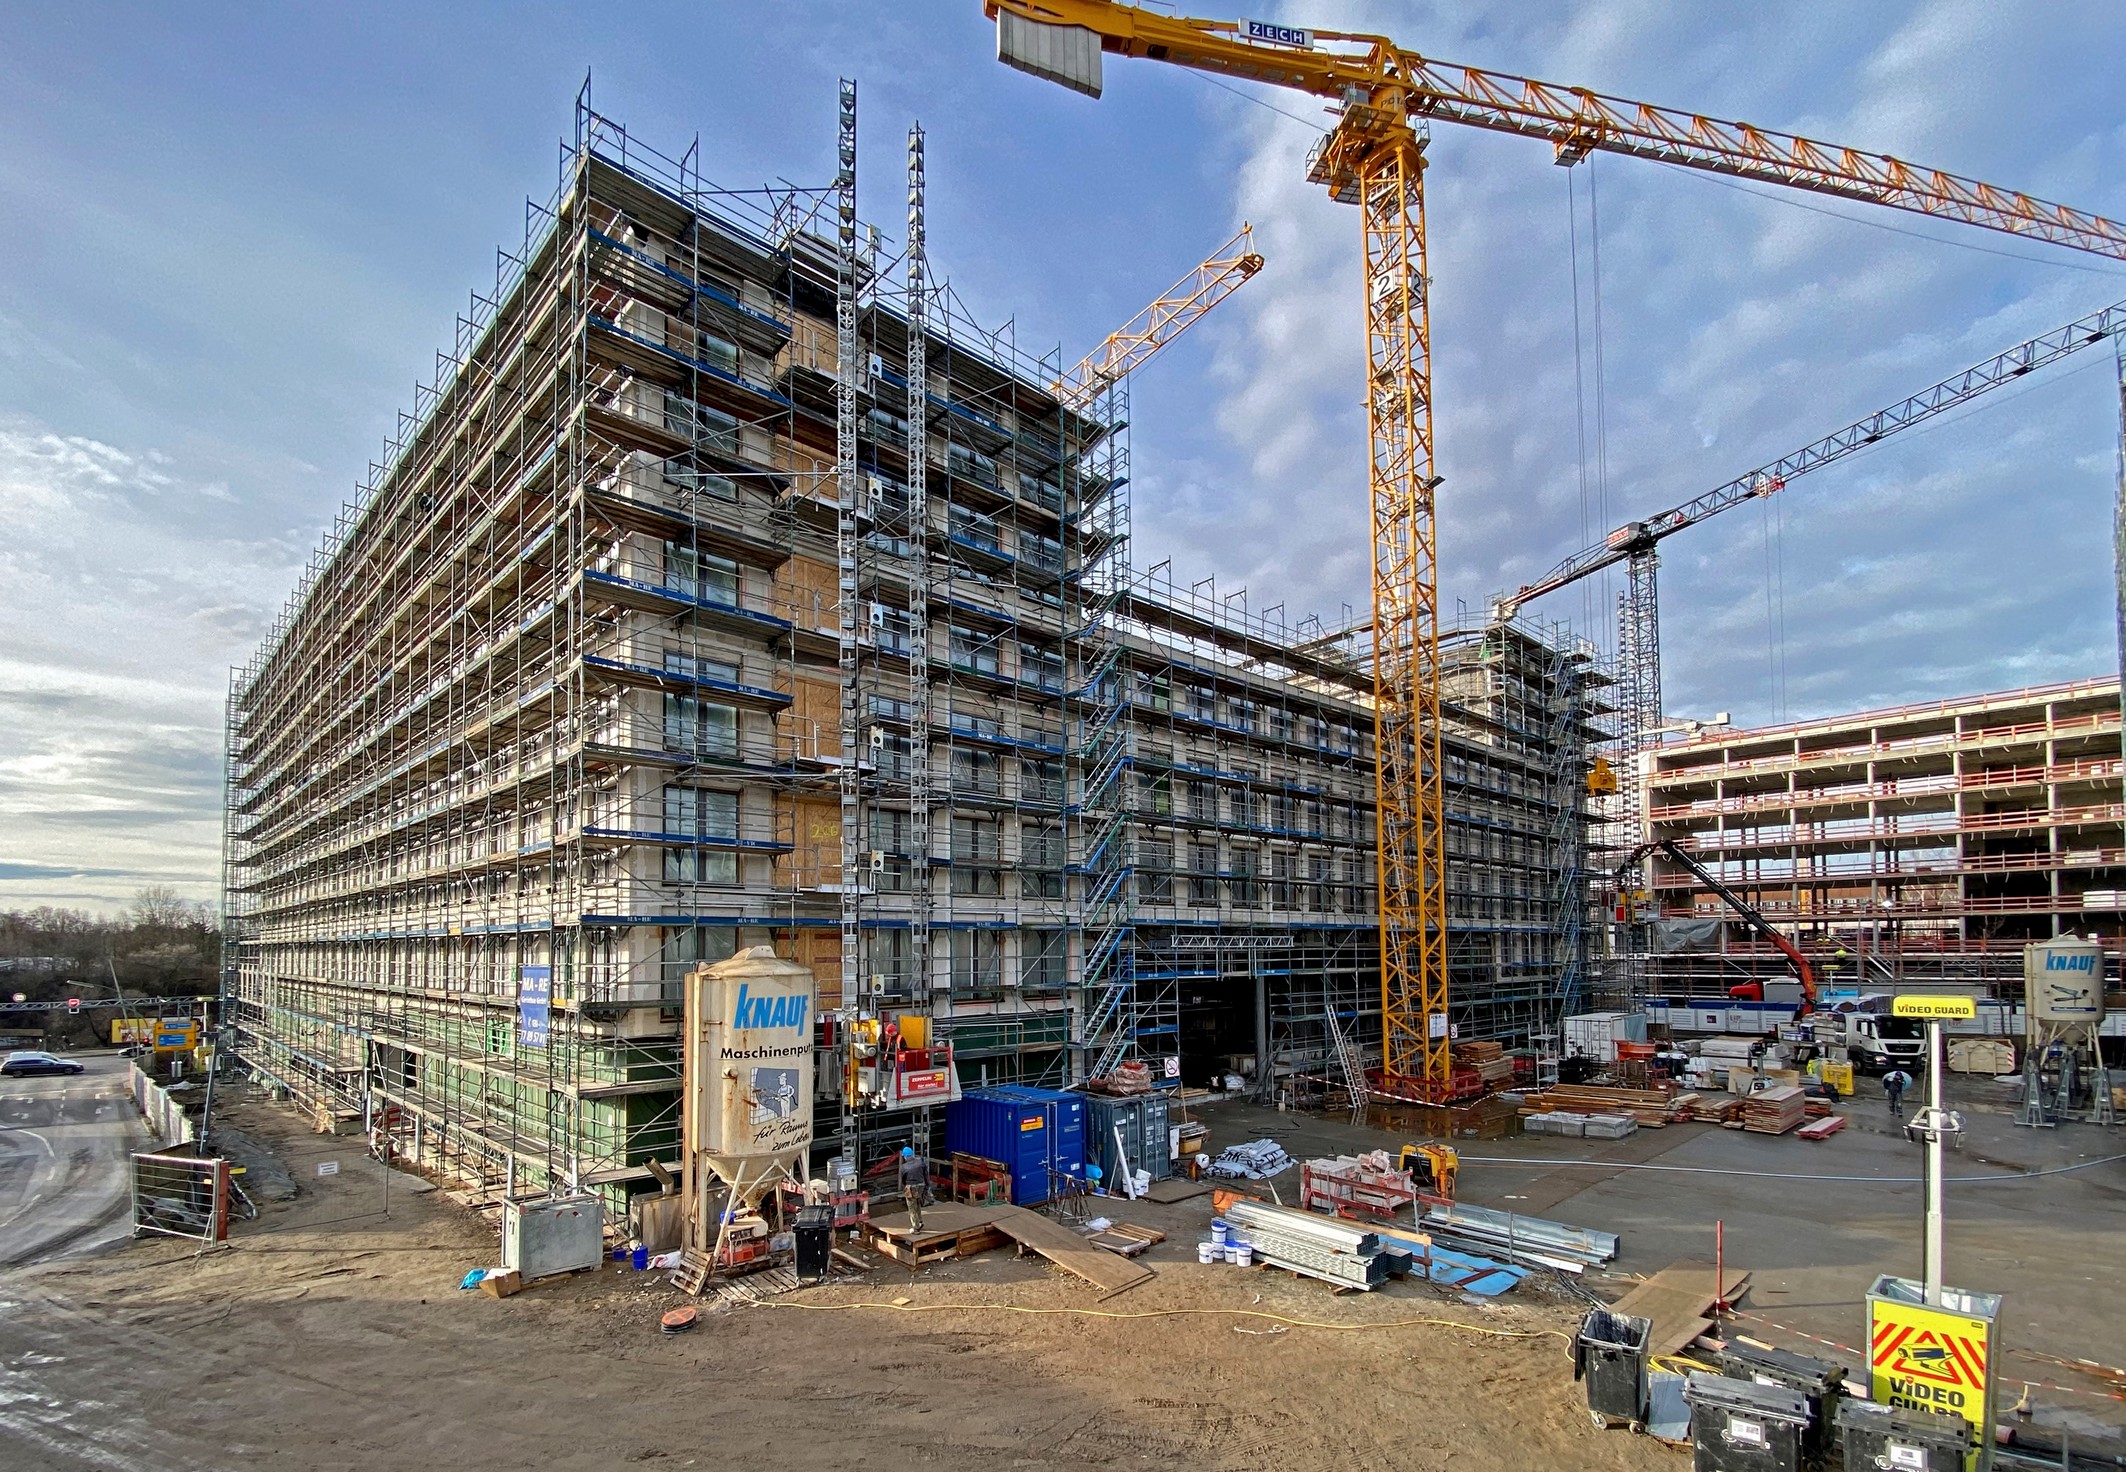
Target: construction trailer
[652,639]
[1915,844]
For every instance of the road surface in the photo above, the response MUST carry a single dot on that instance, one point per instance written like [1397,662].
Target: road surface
[65,1184]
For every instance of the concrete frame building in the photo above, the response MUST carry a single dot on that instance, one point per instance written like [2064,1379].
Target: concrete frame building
[1927,841]
[617,666]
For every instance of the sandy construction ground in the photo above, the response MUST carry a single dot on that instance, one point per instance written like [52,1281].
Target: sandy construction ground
[330,1335]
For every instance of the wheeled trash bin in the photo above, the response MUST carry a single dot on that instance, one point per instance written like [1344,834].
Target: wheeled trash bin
[1819,1381]
[1609,1353]
[1882,1438]
[1741,1426]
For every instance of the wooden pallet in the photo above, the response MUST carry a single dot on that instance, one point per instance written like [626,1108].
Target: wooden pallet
[1127,1239]
[949,1230]
[757,1287]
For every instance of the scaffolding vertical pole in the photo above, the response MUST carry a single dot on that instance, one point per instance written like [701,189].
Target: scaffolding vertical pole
[846,547]
[1638,722]
[918,414]
[2118,533]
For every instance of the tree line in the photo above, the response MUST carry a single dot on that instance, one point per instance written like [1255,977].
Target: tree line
[159,945]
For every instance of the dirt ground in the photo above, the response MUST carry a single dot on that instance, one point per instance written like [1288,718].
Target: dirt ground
[331,1333]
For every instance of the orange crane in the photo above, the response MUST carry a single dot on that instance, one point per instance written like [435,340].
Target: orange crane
[1385,97]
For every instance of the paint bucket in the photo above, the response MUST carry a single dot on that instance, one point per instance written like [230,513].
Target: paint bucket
[1243,1255]
[1206,1252]
[639,1259]
[1220,1232]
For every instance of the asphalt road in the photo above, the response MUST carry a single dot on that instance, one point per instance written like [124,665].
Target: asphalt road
[65,1184]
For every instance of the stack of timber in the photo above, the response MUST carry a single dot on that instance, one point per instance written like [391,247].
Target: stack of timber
[1708,1109]
[1774,1111]
[1488,1059]
[1651,1108]
[1823,1128]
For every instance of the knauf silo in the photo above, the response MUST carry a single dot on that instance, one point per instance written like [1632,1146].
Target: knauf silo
[747,1061]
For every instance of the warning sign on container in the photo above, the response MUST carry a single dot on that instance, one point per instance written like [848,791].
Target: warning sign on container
[1928,1359]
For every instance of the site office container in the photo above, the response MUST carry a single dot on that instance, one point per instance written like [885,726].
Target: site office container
[1145,1124]
[1030,1132]
[1596,1034]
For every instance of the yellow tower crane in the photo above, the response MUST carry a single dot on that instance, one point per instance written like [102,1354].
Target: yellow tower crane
[1178,308]
[1375,158]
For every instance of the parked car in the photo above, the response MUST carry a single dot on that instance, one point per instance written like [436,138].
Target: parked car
[30,1065]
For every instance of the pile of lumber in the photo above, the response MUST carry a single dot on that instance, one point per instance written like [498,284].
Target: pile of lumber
[1823,1128]
[1650,1108]
[1707,1109]
[1488,1059]
[1774,1111]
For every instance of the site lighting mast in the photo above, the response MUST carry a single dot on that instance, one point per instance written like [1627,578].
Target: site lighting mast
[1385,97]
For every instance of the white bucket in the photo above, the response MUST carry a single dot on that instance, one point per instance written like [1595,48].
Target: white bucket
[1220,1232]
[1207,1252]
[1243,1255]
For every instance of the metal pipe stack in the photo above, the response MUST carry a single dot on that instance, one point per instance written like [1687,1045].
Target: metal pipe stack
[1333,1251]
[1529,1240]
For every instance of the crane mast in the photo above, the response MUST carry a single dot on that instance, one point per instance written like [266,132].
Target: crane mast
[1374,157]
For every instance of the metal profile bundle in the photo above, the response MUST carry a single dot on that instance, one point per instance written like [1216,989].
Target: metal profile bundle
[1529,1240]
[1335,1252]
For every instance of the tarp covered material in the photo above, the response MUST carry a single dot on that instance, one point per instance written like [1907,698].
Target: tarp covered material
[1671,936]
[1255,1161]
[1982,1055]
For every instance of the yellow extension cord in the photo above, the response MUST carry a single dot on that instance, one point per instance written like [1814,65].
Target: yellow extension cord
[1174,1313]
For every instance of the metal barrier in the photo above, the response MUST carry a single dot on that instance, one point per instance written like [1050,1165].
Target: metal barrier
[166,1119]
[181,1196]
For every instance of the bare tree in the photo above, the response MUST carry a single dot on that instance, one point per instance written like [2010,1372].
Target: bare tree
[159,907]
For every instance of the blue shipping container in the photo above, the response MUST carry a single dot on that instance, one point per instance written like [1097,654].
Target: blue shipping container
[1031,1132]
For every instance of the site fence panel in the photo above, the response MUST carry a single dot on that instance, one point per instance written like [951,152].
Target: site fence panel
[180,1196]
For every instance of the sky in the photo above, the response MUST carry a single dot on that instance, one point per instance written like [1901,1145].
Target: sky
[232,238]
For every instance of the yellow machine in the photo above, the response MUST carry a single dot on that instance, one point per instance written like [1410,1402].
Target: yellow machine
[1386,98]
[1432,1166]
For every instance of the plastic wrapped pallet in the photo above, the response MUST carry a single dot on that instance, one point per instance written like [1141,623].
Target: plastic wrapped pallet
[1564,1122]
[1609,1126]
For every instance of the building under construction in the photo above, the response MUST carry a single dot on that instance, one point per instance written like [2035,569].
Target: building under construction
[1922,842]
[730,586]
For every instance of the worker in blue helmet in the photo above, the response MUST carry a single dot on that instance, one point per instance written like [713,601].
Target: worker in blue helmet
[915,1185]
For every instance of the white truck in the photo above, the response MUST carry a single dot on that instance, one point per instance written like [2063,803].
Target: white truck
[1874,1041]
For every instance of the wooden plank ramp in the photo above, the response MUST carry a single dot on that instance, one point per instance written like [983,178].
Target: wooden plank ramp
[1679,1300]
[1068,1250]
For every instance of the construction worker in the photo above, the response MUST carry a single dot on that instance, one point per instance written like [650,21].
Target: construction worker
[915,1184]
[1894,1084]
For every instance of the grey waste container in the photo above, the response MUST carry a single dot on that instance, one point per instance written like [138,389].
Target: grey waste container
[814,1232]
[1741,1426]
[1609,1353]
[1819,1381]
[1874,1437]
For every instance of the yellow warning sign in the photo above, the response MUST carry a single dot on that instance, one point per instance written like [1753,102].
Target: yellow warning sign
[1929,1359]
[1934,1007]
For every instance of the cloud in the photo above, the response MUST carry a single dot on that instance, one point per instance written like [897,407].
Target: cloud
[1723,327]
[125,605]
